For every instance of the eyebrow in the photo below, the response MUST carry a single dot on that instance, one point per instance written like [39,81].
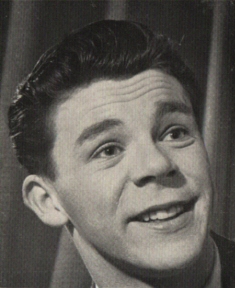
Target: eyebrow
[96,129]
[164,108]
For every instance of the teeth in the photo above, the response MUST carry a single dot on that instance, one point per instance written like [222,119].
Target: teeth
[146,218]
[162,214]
[153,215]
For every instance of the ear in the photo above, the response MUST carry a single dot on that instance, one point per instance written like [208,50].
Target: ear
[40,196]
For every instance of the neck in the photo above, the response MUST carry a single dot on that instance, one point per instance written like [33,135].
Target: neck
[105,274]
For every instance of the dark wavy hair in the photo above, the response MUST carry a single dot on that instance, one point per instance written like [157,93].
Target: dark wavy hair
[106,49]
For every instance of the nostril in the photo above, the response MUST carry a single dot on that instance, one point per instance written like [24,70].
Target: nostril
[148,179]
[145,180]
[171,173]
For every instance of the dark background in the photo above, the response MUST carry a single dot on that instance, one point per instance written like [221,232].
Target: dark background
[27,29]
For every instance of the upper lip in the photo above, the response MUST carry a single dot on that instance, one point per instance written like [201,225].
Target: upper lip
[187,203]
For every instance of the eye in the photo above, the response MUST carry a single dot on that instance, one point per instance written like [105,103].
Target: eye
[176,134]
[108,151]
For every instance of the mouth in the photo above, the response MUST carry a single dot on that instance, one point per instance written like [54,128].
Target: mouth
[166,212]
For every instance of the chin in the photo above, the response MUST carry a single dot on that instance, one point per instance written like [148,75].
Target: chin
[178,252]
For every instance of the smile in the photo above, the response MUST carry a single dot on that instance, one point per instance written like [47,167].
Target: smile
[168,212]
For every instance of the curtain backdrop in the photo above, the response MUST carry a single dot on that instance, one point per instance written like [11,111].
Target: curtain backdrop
[205,31]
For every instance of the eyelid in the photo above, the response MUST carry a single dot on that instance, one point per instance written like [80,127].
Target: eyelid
[105,145]
[172,128]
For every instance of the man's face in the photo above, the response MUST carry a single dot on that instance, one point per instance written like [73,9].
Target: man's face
[133,171]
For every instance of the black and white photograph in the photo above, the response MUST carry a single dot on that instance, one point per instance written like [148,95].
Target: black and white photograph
[117,144]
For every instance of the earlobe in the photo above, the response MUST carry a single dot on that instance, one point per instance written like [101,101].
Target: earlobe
[40,197]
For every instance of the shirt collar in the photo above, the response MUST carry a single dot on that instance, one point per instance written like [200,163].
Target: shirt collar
[215,278]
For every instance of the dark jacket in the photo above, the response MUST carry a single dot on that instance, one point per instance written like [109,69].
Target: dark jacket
[227,259]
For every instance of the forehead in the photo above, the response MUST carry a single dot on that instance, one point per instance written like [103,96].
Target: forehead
[101,97]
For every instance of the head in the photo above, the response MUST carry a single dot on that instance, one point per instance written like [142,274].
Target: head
[104,50]
[108,126]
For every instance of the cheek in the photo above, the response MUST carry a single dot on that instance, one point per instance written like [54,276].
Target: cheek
[194,162]
[91,197]
[105,188]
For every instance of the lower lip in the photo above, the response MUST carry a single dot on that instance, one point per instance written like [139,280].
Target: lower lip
[170,226]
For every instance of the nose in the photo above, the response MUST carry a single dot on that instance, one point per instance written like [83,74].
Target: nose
[152,164]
